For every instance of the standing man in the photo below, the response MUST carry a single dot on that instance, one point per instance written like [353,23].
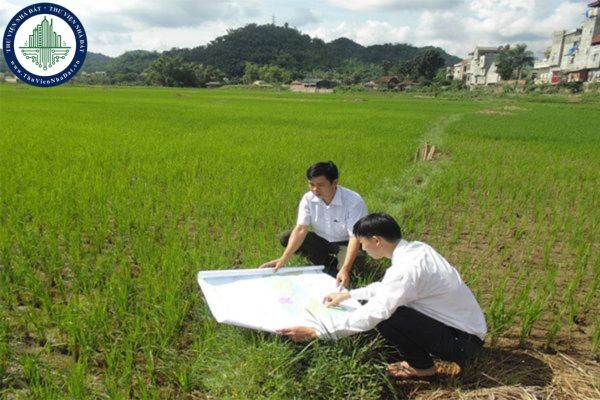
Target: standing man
[332,211]
[421,306]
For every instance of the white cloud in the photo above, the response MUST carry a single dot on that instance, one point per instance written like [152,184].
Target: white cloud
[366,33]
[130,15]
[360,5]
[158,39]
[496,22]
[303,16]
[490,8]
[565,16]
[190,12]
[114,26]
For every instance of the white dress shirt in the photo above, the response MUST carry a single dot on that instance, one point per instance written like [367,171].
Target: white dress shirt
[419,278]
[335,221]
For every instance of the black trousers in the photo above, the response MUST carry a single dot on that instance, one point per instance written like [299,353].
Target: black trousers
[417,337]
[320,251]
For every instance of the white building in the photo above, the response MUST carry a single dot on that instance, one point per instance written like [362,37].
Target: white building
[481,70]
[575,54]
[459,70]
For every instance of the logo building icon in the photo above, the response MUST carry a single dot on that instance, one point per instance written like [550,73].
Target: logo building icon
[44,47]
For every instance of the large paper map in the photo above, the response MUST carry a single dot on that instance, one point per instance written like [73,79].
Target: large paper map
[263,300]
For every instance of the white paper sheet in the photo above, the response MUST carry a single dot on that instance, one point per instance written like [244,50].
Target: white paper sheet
[263,300]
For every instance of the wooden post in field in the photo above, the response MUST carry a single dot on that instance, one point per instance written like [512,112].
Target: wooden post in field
[431,153]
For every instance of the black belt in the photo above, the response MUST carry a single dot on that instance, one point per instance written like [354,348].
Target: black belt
[342,243]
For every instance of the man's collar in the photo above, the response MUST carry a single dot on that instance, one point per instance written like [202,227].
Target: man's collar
[399,247]
[337,198]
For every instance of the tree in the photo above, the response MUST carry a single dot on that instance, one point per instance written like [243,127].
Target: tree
[441,77]
[275,74]
[321,74]
[172,71]
[504,63]
[403,69]
[132,61]
[510,60]
[386,65]
[521,58]
[161,71]
[262,45]
[3,67]
[354,71]
[427,64]
[207,73]
[423,67]
[251,73]
[269,73]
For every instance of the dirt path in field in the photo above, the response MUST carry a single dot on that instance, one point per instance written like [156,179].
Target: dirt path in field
[401,193]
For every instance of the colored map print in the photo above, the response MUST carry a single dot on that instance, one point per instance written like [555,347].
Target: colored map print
[263,300]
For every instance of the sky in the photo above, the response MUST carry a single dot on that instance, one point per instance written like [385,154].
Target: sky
[457,26]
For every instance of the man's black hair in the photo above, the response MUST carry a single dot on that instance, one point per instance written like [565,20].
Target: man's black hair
[378,224]
[326,169]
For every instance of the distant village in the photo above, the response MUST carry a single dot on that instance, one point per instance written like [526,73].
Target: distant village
[572,56]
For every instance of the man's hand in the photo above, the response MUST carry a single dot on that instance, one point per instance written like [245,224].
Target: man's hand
[296,238]
[343,278]
[333,299]
[276,264]
[299,333]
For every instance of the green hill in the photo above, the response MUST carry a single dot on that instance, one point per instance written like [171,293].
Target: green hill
[282,46]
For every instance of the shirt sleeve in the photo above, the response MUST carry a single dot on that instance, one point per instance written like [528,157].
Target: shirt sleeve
[387,297]
[303,212]
[364,293]
[355,213]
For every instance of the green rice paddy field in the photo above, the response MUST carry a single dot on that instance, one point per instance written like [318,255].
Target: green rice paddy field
[111,199]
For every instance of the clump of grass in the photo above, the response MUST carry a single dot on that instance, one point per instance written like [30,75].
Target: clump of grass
[4,344]
[596,338]
[530,310]
[553,330]
[594,286]
[76,380]
[40,380]
[500,313]
[351,368]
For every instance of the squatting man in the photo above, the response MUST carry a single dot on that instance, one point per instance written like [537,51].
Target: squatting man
[421,306]
[332,211]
